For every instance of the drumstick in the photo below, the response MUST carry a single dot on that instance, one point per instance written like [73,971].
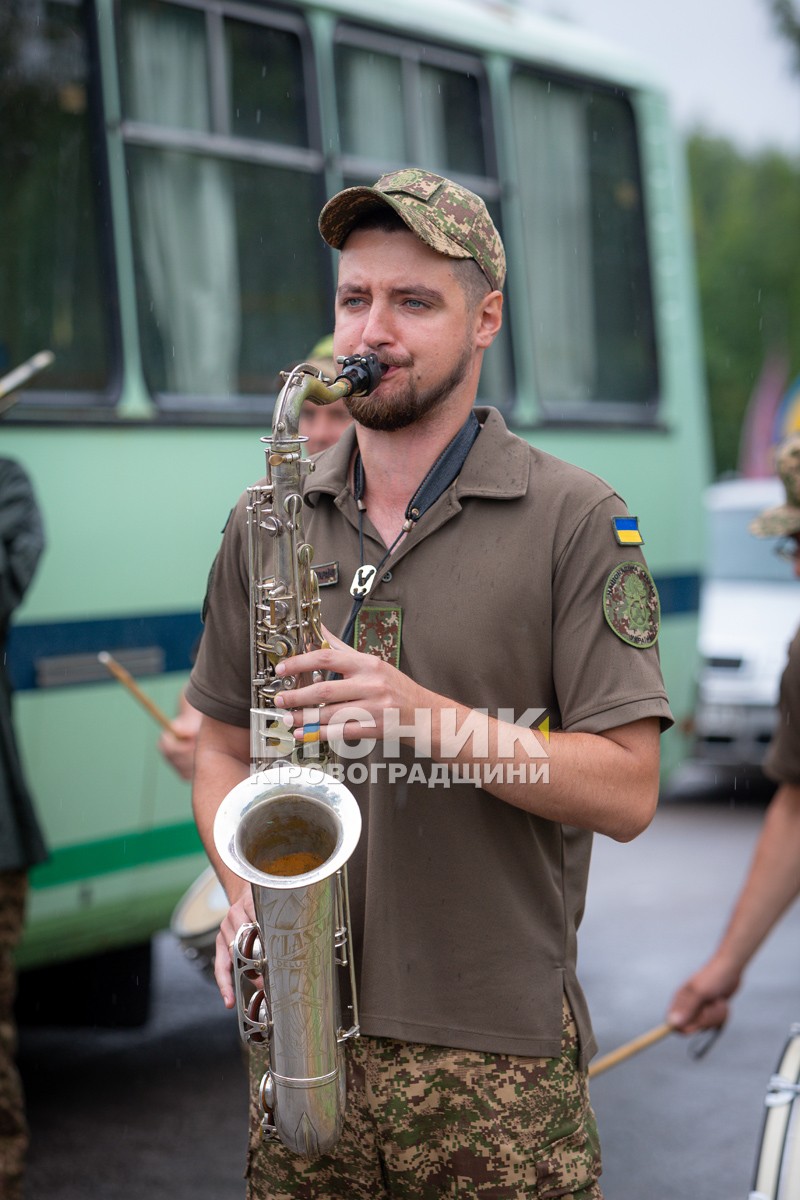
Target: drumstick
[20,375]
[629,1049]
[127,680]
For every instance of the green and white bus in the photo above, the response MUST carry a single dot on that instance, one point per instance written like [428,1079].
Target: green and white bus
[163,165]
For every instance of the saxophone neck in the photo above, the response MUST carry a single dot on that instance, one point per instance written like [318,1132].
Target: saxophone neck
[359,376]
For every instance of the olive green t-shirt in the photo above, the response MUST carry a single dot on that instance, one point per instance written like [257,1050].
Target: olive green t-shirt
[465,908]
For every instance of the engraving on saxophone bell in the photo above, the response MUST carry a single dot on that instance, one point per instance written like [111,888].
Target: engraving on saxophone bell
[290,828]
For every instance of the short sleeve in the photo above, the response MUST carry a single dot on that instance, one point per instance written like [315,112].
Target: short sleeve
[606,664]
[219,685]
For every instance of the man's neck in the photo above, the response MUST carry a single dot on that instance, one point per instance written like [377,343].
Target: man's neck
[395,464]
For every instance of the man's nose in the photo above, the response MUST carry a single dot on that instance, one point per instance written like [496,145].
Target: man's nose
[377,329]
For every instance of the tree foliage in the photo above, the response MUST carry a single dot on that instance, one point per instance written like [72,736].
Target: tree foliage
[746,211]
[787,21]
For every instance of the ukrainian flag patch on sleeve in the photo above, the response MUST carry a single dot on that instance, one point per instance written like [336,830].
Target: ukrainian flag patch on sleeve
[626,531]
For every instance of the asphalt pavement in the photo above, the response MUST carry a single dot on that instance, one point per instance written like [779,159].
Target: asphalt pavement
[161,1111]
[673,1126]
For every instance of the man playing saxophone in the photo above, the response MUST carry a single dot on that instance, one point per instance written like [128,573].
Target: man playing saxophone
[492,685]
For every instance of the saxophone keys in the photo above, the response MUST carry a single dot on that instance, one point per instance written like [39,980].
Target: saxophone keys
[266,1095]
[258,1025]
[266,1101]
[272,526]
[277,648]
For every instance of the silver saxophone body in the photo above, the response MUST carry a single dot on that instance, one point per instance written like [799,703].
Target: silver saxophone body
[290,828]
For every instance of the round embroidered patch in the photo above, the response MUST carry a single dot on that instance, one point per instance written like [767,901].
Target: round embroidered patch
[630,604]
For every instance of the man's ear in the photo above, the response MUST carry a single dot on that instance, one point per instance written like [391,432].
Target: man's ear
[489,318]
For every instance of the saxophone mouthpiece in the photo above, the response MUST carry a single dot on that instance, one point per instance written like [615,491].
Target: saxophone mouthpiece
[363,373]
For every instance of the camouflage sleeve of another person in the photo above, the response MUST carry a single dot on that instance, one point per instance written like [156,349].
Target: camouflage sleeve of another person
[782,763]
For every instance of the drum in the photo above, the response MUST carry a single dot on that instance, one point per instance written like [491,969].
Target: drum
[777,1174]
[196,920]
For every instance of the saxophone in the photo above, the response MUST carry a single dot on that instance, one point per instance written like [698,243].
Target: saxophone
[290,828]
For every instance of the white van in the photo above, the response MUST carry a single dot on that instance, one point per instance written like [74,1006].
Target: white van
[749,613]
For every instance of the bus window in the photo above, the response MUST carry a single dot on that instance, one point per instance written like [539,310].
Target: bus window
[265,66]
[398,109]
[403,103]
[225,188]
[586,250]
[451,108]
[54,274]
[370,95]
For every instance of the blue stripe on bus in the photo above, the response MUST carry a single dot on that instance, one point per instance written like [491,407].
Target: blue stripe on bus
[177,633]
[678,594]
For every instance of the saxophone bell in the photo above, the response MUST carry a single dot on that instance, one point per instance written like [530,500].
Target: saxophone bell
[289,832]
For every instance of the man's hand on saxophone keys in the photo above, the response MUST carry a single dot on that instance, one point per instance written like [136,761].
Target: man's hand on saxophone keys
[354,702]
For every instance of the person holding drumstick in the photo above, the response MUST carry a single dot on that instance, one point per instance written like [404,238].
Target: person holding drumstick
[773,879]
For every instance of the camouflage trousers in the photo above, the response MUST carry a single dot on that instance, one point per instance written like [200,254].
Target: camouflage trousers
[426,1121]
[13,1126]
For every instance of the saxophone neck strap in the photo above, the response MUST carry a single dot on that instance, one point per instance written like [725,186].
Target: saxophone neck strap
[445,469]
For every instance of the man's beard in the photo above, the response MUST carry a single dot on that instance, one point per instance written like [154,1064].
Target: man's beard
[409,405]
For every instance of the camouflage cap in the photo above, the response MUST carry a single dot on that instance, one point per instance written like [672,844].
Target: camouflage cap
[784,520]
[447,217]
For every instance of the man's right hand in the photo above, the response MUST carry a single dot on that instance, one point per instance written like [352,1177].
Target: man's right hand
[702,1001]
